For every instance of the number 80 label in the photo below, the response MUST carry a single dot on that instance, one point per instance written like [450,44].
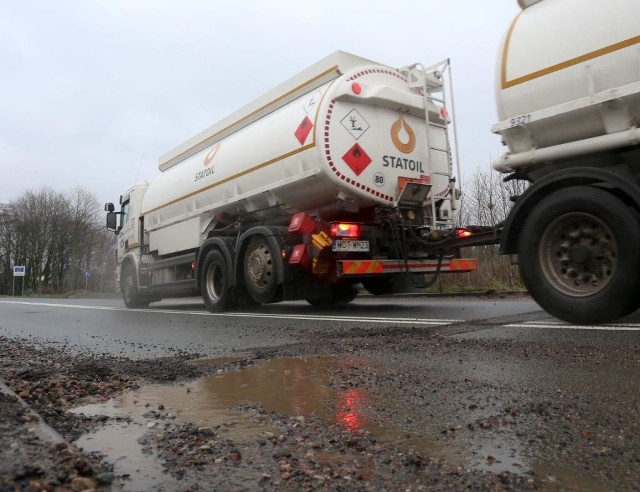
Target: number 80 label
[378,179]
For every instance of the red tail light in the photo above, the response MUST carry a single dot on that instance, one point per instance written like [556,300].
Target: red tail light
[460,233]
[345,229]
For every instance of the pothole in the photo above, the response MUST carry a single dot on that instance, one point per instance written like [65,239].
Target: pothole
[294,387]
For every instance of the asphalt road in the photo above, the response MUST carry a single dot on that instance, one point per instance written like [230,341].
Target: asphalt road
[503,387]
[105,326]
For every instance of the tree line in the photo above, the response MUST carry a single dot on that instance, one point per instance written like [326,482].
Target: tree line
[61,241]
[486,201]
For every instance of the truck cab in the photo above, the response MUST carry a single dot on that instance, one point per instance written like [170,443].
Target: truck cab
[126,224]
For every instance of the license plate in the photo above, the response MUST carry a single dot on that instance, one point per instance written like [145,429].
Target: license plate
[350,245]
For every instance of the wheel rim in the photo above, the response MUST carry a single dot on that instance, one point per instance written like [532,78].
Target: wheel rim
[260,266]
[215,281]
[127,287]
[578,254]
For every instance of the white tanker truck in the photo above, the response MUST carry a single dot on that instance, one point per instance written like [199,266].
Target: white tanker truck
[341,176]
[568,95]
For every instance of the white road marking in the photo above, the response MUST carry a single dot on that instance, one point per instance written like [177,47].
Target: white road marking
[559,325]
[548,324]
[306,317]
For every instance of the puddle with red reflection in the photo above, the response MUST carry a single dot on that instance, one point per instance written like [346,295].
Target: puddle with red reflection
[295,387]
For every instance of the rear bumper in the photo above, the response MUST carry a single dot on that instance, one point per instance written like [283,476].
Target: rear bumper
[359,268]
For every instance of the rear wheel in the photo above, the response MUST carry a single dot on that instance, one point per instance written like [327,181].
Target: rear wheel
[339,295]
[259,267]
[378,285]
[130,291]
[215,282]
[579,256]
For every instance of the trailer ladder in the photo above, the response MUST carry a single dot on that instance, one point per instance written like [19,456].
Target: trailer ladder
[430,82]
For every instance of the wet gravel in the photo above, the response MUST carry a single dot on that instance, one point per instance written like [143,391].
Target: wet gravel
[450,413]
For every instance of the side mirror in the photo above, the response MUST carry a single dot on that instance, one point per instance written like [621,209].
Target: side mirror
[112,221]
[108,207]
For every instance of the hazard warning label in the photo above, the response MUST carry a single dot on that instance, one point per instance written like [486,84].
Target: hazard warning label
[312,102]
[357,159]
[303,130]
[355,124]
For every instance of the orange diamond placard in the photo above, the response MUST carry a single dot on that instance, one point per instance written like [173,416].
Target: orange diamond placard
[357,159]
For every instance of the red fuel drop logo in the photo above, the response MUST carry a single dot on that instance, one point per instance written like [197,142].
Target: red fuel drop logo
[357,159]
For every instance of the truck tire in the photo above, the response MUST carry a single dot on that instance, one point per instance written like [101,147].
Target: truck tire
[579,256]
[339,295]
[378,286]
[215,282]
[259,269]
[130,292]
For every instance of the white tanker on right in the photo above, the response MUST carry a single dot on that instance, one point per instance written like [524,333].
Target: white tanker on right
[568,97]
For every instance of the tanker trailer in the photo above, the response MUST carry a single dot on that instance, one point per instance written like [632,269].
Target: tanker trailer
[568,97]
[339,178]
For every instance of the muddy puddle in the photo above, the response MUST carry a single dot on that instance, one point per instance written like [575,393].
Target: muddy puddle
[294,387]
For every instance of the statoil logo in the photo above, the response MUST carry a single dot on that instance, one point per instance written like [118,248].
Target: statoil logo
[403,136]
[404,139]
[211,154]
[206,162]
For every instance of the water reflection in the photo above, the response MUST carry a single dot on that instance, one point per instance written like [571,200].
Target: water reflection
[290,386]
[294,387]
[350,409]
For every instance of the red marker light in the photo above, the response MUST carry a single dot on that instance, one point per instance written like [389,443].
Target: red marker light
[356,88]
[344,229]
[460,233]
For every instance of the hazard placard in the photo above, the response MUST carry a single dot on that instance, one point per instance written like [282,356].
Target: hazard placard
[357,159]
[303,130]
[355,124]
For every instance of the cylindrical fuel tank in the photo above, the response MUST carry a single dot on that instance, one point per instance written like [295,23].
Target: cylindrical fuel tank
[345,131]
[557,66]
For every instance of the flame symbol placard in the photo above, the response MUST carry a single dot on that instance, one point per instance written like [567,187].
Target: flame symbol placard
[404,147]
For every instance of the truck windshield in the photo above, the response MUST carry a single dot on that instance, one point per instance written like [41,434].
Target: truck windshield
[124,216]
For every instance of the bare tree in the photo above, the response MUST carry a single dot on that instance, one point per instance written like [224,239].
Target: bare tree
[486,201]
[60,239]
[7,240]
[83,224]
[33,220]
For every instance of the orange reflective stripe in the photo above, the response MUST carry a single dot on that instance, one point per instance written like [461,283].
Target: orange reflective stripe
[348,267]
[361,267]
[459,264]
[368,267]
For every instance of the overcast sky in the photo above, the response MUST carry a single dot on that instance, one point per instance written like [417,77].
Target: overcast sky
[92,92]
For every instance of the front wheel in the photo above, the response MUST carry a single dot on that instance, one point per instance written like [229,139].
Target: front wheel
[579,256]
[215,282]
[130,291]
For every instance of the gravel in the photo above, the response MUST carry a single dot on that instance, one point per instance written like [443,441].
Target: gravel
[444,413]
